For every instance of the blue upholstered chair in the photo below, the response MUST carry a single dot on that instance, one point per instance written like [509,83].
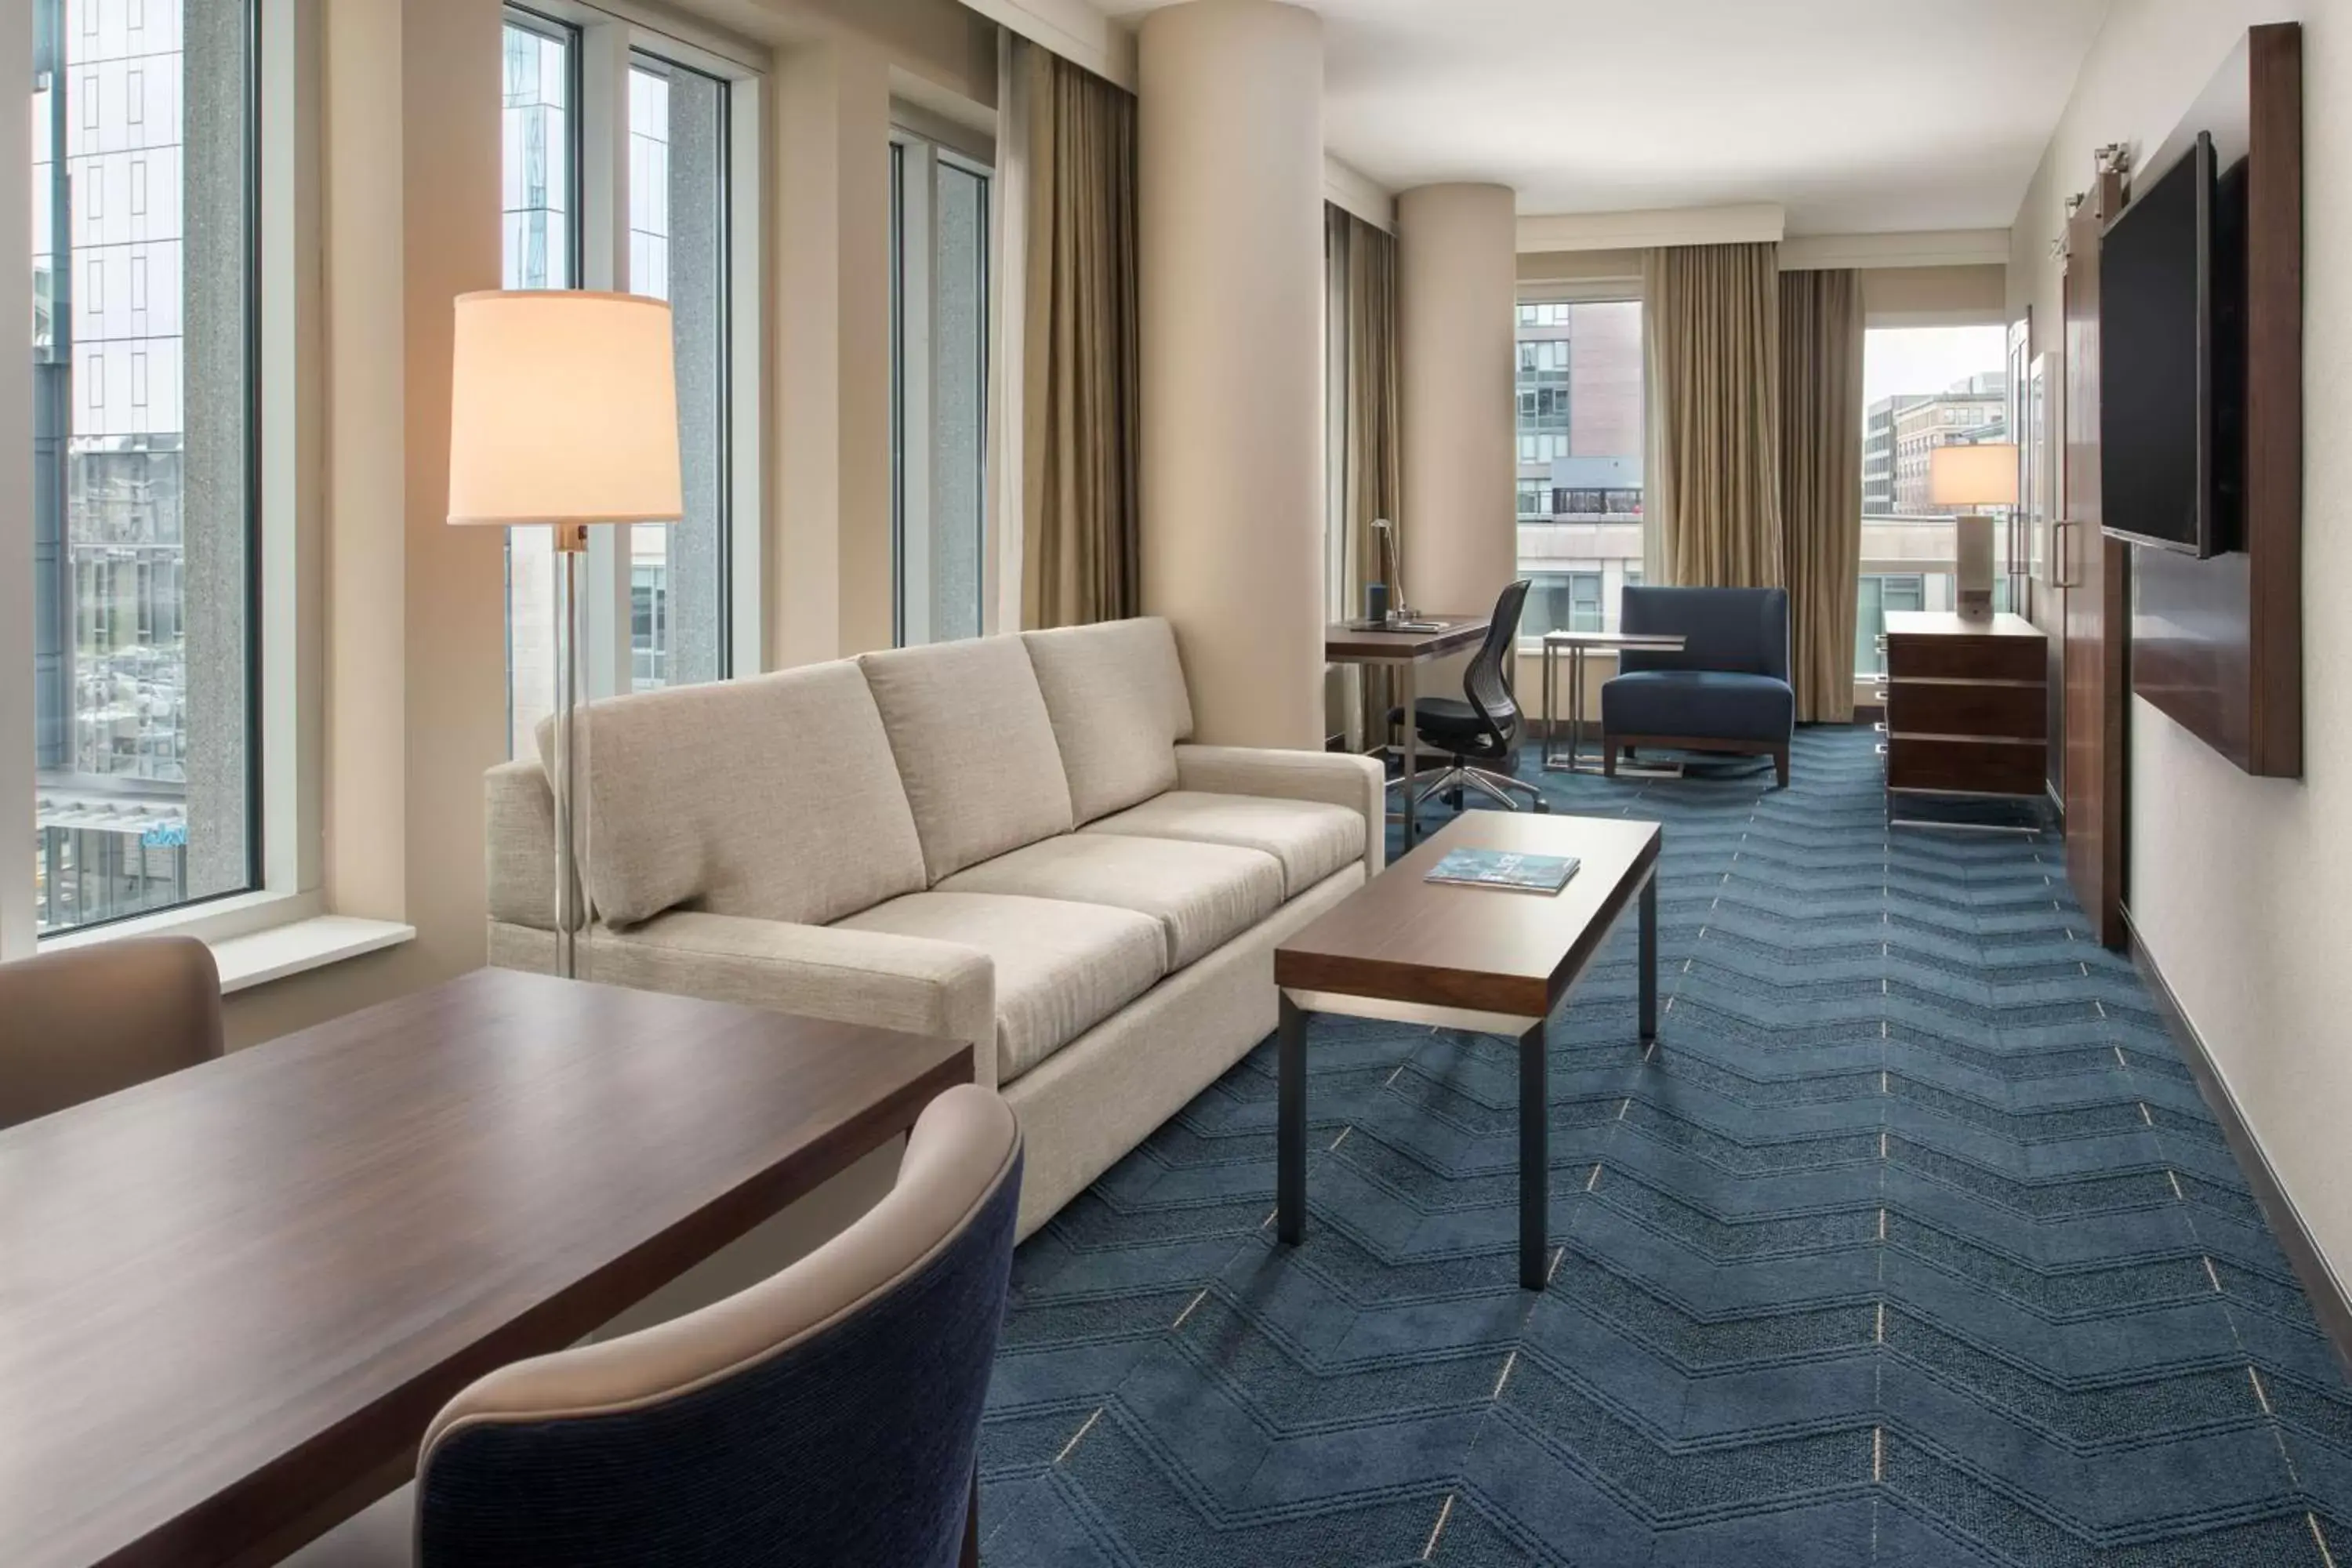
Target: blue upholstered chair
[829,1415]
[1727,690]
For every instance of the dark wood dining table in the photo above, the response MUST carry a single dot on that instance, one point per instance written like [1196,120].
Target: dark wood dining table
[232,1298]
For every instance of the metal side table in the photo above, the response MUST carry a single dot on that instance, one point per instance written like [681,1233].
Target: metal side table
[1578,644]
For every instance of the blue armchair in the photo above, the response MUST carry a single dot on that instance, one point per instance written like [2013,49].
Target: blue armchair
[1727,690]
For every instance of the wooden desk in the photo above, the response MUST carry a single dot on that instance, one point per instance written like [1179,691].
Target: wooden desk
[231,1299]
[1486,959]
[1967,708]
[1407,651]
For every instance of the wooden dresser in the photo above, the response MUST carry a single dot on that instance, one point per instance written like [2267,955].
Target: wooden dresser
[1967,708]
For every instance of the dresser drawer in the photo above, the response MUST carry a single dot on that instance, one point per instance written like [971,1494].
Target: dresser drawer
[1966,658]
[1971,767]
[1955,708]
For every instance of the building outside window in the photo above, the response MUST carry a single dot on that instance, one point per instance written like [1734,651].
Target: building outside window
[1922,387]
[145,522]
[1563,601]
[938,374]
[677,252]
[1582,434]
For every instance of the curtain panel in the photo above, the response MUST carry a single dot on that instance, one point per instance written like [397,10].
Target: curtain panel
[1712,323]
[1371,457]
[1081,549]
[1821,484]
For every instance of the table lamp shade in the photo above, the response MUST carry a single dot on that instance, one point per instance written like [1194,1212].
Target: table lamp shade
[563,409]
[1984,475]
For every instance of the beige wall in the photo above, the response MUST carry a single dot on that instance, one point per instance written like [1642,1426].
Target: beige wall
[1458,276]
[2235,883]
[1231,282]
[829,575]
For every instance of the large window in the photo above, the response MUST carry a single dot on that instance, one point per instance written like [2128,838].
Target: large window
[1581,432]
[144,518]
[658,594]
[938,365]
[1922,387]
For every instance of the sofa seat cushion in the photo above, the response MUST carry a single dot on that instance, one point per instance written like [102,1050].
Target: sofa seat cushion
[1311,838]
[1200,896]
[1698,704]
[1061,968]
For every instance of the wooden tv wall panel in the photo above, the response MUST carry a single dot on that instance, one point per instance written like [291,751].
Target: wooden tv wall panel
[2218,644]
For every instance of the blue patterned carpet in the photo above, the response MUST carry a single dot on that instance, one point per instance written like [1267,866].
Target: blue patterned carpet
[1911,1243]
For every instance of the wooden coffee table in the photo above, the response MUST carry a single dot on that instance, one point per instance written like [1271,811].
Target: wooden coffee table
[1484,959]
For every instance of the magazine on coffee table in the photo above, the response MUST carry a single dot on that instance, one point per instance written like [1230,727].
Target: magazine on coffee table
[1504,869]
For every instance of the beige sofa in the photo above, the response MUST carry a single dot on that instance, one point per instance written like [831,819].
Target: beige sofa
[1008,841]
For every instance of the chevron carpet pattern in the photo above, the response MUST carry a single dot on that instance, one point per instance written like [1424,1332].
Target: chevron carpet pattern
[1910,1243]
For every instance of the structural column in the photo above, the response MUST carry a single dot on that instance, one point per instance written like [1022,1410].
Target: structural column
[1231,276]
[829,588]
[1457,263]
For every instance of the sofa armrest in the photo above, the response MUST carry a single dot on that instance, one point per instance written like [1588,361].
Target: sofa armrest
[1334,778]
[916,983]
[519,821]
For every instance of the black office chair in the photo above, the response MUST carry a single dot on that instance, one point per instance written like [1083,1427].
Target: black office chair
[1483,726]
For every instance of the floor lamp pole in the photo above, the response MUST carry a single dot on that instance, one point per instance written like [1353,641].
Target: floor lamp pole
[571,546]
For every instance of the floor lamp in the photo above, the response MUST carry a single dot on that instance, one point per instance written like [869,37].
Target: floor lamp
[563,413]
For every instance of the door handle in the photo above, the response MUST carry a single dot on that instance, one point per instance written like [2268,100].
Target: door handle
[2061,538]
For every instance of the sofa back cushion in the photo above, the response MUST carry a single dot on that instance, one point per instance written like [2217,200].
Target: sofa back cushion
[774,797]
[976,748]
[1116,694]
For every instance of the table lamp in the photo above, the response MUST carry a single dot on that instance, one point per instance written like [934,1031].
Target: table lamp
[563,414]
[1975,476]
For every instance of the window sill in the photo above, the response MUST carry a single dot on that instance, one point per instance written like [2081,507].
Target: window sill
[259,957]
[257,936]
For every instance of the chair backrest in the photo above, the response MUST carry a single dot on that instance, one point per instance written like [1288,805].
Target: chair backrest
[1739,631]
[1488,680]
[92,1020]
[830,1413]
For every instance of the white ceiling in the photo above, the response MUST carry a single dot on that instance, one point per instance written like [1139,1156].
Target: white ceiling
[1857,116]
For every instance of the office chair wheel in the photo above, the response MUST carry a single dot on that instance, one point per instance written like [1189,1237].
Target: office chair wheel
[1453,799]
[1543,806]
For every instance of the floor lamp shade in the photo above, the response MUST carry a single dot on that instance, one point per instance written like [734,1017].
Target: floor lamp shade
[563,409]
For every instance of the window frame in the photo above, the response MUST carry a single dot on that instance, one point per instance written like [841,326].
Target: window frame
[920,144]
[281,803]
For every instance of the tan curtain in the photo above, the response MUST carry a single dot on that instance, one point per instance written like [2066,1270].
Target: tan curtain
[1821,484]
[1081,553]
[1371,461]
[1712,318]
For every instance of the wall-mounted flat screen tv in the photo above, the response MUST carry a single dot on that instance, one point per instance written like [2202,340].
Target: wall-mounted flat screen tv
[2171,353]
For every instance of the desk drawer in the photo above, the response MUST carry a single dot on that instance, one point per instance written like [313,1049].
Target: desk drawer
[1972,767]
[1966,658]
[1993,713]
